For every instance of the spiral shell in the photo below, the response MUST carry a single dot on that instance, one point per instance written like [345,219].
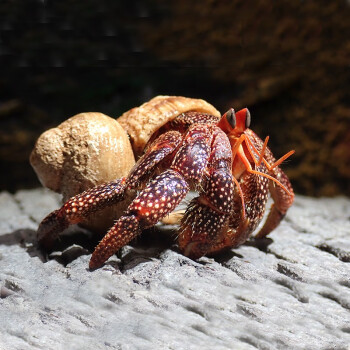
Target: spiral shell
[82,152]
[141,122]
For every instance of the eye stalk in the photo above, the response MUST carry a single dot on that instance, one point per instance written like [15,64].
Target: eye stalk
[248,118]
[231,117]
[235,123]
[243,119]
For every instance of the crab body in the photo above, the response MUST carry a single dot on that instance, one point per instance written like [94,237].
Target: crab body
[229,166]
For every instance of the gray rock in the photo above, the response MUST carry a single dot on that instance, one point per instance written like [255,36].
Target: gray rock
[289,291]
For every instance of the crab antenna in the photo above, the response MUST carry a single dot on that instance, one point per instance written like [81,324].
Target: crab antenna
[273,179]
[261,154]
[283,158]
[269,167]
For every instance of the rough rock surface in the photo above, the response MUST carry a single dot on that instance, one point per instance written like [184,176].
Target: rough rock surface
[290,291]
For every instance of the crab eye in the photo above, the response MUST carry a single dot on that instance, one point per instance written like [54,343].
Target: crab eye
[247,119]
[231,117]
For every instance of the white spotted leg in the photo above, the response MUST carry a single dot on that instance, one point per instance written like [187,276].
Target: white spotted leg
[159,198]
[77,208]
[207,217]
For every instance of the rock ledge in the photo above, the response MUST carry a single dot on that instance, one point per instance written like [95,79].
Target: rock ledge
[290,291]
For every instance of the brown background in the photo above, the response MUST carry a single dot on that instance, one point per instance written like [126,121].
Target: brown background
[288,61]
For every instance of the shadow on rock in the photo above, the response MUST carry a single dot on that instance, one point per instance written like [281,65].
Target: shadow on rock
[66,248]
[150,245]
[260,243]
[71,244]
[76,241]
[25,238]
[226,255]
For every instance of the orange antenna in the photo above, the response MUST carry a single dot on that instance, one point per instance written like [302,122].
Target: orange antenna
[273,179]
[283,158]
[261,158]
[268,166]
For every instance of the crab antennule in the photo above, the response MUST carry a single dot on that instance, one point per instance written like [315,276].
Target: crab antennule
[250,170]
[261,156]
[268,166]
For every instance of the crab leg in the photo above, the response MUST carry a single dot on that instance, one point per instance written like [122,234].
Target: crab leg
[159,198]
[279,185]
[156,152]
[161,195]
[282,202]
[79,207]
[240,229]
[207,217]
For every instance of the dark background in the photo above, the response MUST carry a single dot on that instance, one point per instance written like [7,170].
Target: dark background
[288,61]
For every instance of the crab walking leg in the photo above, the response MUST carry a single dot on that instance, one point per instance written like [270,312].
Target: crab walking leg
[82,205]
[282,199]
[206,219]
[156,152]
[159,198]
[239,229]
[282,202]
[79,207]
[207,216]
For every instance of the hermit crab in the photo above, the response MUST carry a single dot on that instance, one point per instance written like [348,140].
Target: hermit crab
[185,144]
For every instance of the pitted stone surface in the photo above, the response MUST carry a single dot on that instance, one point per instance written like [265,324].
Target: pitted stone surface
[290,291]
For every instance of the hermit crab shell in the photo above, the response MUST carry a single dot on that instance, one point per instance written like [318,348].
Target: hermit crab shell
[141,122]
[86,150]
[89,149]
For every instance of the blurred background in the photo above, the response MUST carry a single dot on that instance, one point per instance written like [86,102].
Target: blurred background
[287,61]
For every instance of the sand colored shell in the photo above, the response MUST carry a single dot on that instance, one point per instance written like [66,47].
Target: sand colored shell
[141,122]
[82,152]
[92,148]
